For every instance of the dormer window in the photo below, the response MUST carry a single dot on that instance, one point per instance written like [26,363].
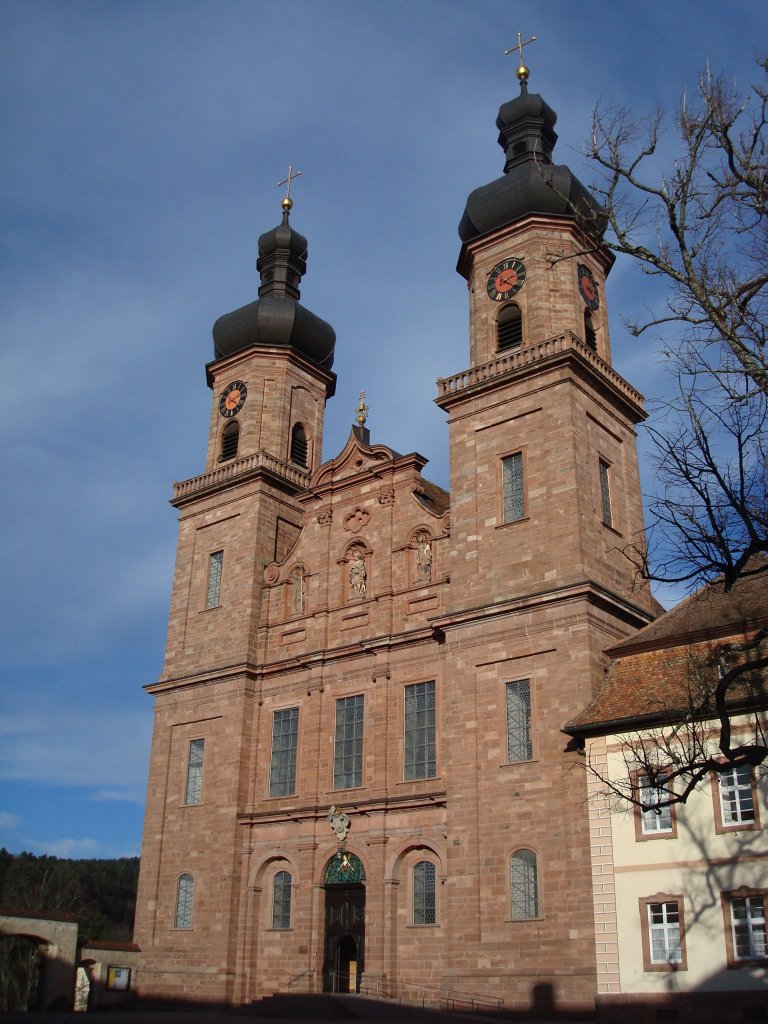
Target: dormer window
[509,327]
[590,337]
[299,446]
[230,438]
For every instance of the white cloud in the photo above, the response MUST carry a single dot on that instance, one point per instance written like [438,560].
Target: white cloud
[67,847]
[9,821]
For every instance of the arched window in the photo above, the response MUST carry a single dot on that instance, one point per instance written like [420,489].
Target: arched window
[299,445]
[281,900]
[424,893]
[524,886]
[185,894]
[589,330]
[509,327]
[230,438]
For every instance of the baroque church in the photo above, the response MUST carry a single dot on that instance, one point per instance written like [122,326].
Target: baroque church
[359,779]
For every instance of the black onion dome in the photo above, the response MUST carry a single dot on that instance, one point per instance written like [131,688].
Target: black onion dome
[277,318]
[531,183]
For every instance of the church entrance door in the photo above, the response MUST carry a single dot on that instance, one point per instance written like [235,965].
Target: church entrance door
[344,937]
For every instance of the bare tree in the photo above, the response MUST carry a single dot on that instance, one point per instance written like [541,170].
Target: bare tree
[701,229]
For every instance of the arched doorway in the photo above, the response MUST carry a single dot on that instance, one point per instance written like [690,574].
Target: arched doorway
[344,941]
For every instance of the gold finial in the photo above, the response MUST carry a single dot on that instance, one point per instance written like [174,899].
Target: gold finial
[287,202]
[362,411]
[522,72]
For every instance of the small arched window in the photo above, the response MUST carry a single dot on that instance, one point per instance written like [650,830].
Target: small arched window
[230,439]
[281,900]
[509,327]
[424,907]
[590,337]
[185,894]
[299,446]
[524,885]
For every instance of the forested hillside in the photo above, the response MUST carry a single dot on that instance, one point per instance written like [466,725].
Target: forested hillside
[100,893]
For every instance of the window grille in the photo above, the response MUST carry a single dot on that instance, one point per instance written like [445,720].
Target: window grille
[736,800]
[194,789]
[524,886]
[348,747]
[748,923]
[282,772]
[655,819]
[213,594]
[509,327]
[299,446]
[424,903]
[230,438]
[519,746]
[513,497]
[185,893]
[605,493]
[281,900]
[420,758]
[590,337]
[664,933]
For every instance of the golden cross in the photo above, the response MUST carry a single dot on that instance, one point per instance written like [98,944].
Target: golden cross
[522,71]
[287,202]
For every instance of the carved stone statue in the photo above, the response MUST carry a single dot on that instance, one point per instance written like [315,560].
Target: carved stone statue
[357,575]
[339,822]
[424,557]
[297,591]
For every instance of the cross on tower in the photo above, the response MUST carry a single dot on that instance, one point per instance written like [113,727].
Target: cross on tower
[287,202]
[522,71]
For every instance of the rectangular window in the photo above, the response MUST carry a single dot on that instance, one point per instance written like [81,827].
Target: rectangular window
[282,771]
[281,900]
[193,791]
[737,803]
[664,933]
[348,746]
[420,759]
[512,491]
[424,892]
[748,927]
[519,746]
[213,593]
[655,821]
[605,493]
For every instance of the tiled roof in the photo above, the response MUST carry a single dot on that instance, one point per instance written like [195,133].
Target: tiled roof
[432,497]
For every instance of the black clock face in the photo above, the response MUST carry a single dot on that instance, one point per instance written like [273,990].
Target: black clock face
[233,398]
[588,286]
[505,280]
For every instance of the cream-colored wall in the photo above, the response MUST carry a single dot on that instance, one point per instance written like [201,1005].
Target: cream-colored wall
[698,863]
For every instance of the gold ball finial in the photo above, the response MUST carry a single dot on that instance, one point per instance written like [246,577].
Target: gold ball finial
[286,203]
[362,411]
[523,73]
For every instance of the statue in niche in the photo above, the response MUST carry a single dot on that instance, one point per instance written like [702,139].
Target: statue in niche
[423,557]
[297,591]
[357,574]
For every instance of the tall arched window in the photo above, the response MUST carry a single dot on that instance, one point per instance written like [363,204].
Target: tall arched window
[281,900]
[524,885]
[230,438]
[299,446]
[424,893]
[590,337]
[185,895]
[509,327]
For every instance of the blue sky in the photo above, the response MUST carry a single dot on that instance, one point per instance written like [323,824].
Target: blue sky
[141,145]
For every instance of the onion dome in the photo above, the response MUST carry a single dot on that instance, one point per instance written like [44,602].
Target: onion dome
[531,183]
[277,318]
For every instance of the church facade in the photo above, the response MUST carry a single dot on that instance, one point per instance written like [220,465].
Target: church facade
[358,777]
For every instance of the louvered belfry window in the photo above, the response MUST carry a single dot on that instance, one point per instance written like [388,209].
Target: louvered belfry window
[230,438]
[509,327]
[589,330]
[299,446]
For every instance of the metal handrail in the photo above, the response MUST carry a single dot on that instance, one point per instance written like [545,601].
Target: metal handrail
[297,977]
[424,995]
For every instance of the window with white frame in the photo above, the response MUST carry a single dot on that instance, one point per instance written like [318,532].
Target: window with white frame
[193,791]
[424,893]
[655,820]
[213,591]
[420,760]
[519,746]
[282,769]
[348,742]
[185,895]
[748,927]
[282,888]
[737,805]
[524,885]
[664,938]
[512,488]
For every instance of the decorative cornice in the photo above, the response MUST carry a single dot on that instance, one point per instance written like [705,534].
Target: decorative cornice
[258,464]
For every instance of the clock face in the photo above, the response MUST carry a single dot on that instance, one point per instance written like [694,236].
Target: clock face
[232,398]
[588,286]
[505,280]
